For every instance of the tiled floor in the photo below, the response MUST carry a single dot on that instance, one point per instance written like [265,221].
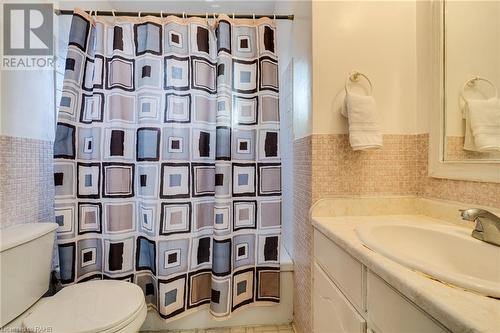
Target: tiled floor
[248,329]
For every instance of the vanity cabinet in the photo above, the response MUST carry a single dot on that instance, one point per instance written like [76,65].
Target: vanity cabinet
[349,298]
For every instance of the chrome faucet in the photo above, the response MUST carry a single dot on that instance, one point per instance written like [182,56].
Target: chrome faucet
[487,226]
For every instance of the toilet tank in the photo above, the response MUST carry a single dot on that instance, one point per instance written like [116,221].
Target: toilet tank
[25,262]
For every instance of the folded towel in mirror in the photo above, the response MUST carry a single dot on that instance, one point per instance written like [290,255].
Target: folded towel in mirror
[364,130]
[482,128]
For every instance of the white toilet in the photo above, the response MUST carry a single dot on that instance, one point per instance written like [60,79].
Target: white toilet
[93,306]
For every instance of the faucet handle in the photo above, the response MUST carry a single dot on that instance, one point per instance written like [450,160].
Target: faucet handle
[479,226]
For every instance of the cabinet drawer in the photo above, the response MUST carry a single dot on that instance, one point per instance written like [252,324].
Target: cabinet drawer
[344,270]
[332,311]
[383,303]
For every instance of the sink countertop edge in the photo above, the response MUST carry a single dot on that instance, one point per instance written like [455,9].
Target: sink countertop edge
[446,304]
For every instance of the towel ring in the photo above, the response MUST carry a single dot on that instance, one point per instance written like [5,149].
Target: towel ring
[470,83]
[355,77]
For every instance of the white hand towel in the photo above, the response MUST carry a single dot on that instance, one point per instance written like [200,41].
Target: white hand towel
[483,117]
[469,138]
[364,131]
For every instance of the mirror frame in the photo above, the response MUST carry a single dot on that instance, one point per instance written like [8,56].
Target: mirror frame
[438,167]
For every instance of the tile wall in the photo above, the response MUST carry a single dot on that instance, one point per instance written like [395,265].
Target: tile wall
[26,181]
[302,234]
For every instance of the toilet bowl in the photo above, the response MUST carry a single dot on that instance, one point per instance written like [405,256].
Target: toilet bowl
[104,306]
[94,306]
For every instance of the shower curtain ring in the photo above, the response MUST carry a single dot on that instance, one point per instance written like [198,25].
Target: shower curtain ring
[274,17]
[161,13]
[233,16]
[254,16]
[93,15]
[139,14]
[112,12]
[184,15]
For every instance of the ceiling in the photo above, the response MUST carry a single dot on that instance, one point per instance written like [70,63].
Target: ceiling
[192,7]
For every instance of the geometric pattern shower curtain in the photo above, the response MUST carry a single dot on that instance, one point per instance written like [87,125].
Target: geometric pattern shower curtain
[167,164]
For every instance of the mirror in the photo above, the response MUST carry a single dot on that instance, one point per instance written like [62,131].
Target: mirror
[471,68]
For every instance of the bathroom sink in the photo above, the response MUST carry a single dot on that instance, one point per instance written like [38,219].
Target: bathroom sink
[443,252]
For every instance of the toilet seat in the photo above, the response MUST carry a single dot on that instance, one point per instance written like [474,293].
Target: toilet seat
[95,306]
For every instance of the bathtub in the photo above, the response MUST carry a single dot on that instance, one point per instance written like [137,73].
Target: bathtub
[281,313]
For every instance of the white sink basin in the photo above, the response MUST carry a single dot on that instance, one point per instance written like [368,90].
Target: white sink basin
[446,253]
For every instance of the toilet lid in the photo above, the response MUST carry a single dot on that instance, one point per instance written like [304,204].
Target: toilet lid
[91,306]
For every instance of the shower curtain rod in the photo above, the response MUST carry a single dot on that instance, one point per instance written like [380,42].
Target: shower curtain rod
[158,14]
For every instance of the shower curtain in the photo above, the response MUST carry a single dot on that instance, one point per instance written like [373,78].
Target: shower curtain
[167,164]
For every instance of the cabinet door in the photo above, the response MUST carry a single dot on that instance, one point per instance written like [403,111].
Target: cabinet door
[390,312]
[332,311]
[346,271]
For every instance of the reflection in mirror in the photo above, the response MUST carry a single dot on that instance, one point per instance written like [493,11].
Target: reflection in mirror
[472,80]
